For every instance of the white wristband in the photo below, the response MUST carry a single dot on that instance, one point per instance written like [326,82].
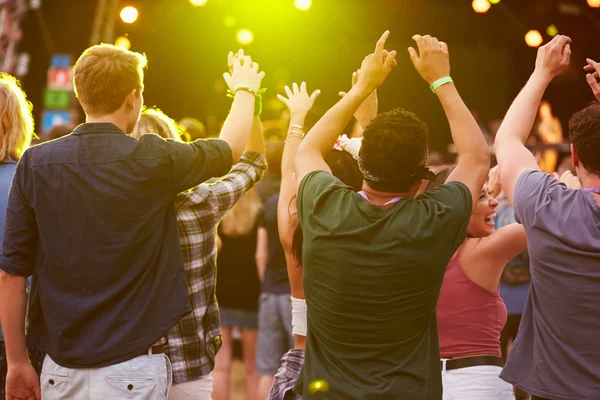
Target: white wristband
[299,325]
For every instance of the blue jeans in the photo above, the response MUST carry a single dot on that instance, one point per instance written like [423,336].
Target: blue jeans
[145,377]
[275,335]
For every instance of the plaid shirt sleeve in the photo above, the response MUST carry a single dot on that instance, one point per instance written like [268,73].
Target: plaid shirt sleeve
[229,189]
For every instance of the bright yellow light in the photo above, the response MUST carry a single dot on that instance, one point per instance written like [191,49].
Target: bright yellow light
[123,42]
[594,3]
[303,4]
[319,386]
[229,21]
[245,36]
[533,38]
[129,15]
[198,3]
[552,30]
[494,1]
[481,6]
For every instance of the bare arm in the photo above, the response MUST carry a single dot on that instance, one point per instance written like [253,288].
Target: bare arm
[22,380]
[257,140]
[432,63]
[237,127]
[513,157]
[322,136]
[262,252]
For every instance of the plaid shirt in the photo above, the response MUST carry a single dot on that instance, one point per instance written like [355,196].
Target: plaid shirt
[286,377]
[194,341]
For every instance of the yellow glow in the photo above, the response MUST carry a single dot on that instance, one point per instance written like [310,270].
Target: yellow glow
[481,6]
[494,1]
[303,4]
[594,3]
[552,30]
[245,36]
[318,386]
[129,15]
[533,38]
[198,3]
[229,21]
[123,42]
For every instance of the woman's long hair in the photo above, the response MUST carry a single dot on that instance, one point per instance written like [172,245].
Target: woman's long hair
[241,219]
[16,121]
[345,168]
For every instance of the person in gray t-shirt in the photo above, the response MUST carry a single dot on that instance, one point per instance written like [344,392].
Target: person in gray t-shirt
[556,354]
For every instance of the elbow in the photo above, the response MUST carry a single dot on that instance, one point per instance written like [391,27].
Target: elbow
[8,281]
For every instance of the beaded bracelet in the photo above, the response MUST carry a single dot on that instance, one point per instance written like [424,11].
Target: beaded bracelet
[250,89]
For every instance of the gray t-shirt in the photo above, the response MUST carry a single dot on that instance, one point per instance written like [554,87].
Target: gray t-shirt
[557,352]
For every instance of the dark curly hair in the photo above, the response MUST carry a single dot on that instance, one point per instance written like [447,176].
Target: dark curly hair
[394,145]
[584,133]
[345,168]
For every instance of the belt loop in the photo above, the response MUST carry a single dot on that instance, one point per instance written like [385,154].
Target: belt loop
[444,365]
[149,351]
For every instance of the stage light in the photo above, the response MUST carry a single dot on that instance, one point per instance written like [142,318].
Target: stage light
[245,36]
[123,42]
[594,3]
[129,15]
[229,21]
[198,3]
[303,4]
[494,1]
[552,30]
[481,6]
[533,38]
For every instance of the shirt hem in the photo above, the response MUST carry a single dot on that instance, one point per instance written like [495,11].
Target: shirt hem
[536,392]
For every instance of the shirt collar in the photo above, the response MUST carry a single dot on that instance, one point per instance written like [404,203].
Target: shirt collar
[97,127]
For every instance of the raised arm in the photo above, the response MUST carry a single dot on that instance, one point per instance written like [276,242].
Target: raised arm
[322,136]
[244,80]
[432,62]
[368,109]
[299,102]
[513,157]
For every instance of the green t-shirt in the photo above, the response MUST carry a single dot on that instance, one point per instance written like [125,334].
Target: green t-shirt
[372,279]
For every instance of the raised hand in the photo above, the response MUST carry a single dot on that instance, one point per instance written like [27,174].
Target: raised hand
[298,101]
[593,69]
[22,382]
[553,57]
[368,109]
[432,61]
[570,180]
[242,71]
[377,66]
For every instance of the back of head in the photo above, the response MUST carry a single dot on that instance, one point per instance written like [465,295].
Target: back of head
[240,220]
[584,134]
[155,121]
[58,131]
[195,129]
[105,75]
[16,121]
[393,151]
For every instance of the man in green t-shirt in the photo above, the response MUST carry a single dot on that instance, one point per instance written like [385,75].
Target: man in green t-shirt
[374,260]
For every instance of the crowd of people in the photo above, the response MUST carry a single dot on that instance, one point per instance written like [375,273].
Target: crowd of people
[133,249]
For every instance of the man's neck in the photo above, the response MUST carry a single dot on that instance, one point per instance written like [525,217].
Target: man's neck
[378,197]
[120,122]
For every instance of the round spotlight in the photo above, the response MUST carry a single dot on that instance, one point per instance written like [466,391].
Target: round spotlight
[198,3]
[533,38]
[229,21]
[123,42]
[481,6]
[303,4]
[129,15]
[594,3]
[552,30]
[245,36]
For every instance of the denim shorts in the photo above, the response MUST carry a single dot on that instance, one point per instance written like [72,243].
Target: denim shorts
[239,318]
[275,335]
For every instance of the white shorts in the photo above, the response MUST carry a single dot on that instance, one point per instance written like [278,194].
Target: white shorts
[476,383]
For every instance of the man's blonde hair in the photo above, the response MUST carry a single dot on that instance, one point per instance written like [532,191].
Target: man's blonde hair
[105,75]
[16,121]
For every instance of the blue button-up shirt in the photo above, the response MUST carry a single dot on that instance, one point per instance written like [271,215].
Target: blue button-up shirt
[91,216]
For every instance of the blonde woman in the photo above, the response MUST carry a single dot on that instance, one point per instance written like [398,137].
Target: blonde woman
[16,131]
[238,292]
[193,343]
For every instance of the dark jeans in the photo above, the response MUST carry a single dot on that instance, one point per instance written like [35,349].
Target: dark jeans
[36,357]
